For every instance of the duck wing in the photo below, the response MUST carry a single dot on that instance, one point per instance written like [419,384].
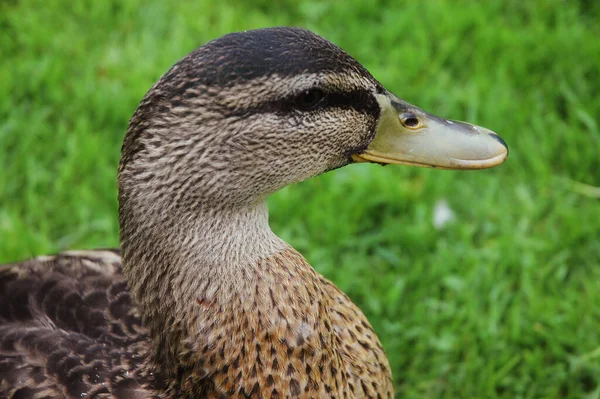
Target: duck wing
[68,328]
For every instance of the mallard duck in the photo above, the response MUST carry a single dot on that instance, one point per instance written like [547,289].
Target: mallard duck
[204,300]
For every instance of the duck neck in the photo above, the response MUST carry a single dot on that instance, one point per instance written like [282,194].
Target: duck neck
[220,243]
[177,271]
[224,298]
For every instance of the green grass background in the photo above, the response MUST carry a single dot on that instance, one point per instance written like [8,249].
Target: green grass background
[501,303]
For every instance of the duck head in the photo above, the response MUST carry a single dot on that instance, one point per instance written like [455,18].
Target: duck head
[252,112]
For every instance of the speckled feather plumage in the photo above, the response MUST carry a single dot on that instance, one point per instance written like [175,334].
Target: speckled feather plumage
[306,340]
[68,327]
[207,302]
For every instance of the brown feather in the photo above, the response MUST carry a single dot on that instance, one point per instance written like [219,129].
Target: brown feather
[68,327]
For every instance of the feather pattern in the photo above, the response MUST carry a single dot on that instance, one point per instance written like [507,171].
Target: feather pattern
[68,328]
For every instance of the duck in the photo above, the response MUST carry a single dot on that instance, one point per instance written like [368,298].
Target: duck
[203,299]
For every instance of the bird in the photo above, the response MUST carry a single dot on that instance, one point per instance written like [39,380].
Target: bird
[203,299]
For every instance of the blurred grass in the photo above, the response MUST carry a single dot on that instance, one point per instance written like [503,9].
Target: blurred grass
[500,303]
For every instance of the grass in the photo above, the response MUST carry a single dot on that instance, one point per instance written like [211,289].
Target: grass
[502,302]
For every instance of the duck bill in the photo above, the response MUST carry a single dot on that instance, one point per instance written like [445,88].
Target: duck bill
[407,135]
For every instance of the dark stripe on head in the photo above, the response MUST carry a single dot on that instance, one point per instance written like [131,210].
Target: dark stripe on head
[360,100]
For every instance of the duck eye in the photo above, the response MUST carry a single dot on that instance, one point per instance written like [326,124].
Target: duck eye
[410,121]
[308,99]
